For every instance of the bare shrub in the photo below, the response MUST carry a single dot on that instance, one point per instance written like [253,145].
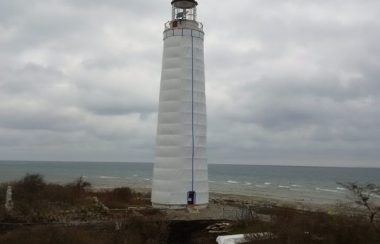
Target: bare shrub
[122,194]
[79,187]
[3,190]
[363,197]
[35,198]
[120,197]
[246,216]
[29,188]
[27,194]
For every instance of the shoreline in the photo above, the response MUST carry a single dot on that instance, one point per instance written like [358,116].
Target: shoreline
[238,200]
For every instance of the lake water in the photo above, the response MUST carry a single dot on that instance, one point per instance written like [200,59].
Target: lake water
[312,184]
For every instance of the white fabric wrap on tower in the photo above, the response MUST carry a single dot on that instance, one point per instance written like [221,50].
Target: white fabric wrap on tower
[181,162]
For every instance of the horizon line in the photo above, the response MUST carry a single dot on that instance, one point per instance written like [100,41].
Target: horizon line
[237,164]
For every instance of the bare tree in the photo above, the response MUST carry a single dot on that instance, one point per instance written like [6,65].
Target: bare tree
[364,195]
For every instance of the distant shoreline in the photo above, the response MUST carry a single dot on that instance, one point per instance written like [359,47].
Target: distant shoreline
[316,165]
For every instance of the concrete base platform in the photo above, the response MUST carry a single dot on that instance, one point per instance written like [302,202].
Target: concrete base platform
[179,206]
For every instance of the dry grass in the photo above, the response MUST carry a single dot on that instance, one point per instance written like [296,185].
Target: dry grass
[36,200]
[49,235]
[121,197]
[292,226]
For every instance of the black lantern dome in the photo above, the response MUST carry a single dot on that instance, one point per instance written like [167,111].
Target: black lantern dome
[184,4]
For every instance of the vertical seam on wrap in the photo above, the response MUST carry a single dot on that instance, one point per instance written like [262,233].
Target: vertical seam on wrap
[192,111]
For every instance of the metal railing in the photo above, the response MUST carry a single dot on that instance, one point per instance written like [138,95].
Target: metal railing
[184,23]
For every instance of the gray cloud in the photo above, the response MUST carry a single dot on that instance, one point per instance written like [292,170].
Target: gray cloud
[288,82]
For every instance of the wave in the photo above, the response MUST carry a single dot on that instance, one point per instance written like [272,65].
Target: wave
[267,183]
[232,182]
[341,188]
[247,183]
[281,186]
[108,177]
[325,189]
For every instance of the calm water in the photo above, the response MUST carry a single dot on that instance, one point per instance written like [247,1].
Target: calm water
[286,182]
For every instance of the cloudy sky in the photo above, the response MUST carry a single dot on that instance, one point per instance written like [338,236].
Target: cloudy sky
[288,81]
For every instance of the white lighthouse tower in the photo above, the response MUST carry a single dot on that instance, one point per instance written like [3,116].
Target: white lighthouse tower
[180,176]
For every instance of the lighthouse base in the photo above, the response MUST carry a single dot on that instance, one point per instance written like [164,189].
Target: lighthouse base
[178,206]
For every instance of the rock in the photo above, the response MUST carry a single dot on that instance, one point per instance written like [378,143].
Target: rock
[218,227]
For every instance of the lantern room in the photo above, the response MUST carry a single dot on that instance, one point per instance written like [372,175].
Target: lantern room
[184,10]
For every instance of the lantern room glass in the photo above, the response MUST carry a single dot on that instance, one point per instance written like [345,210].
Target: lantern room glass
[184,13]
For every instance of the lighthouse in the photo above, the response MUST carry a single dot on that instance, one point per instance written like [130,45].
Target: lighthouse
[180,174]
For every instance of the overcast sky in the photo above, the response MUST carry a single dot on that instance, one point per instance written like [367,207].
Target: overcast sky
[288,82]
